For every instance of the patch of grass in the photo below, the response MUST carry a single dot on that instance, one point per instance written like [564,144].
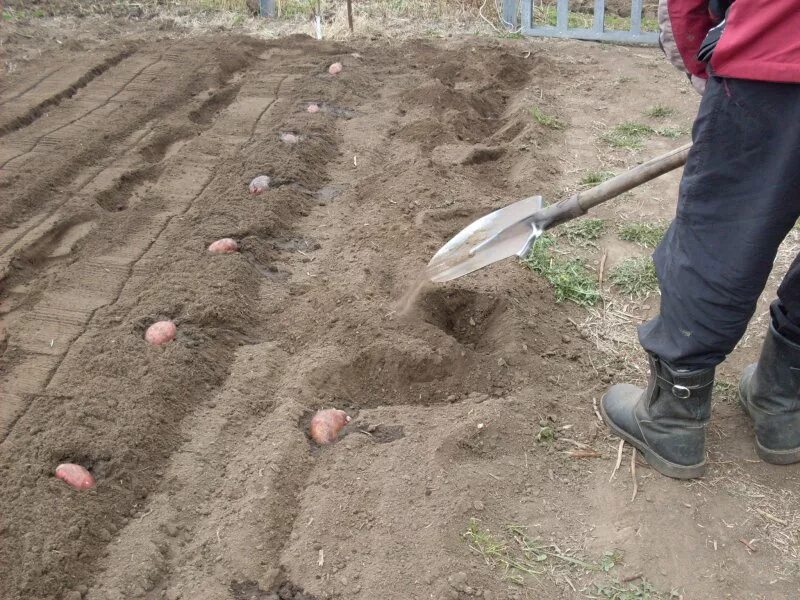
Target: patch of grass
[628,135]
[616,23]
[642,590]
[671,132]
[659,111]
[592,178]
[726,391]
[582,232]
[520,556]
[495,552]
[569,277]
[635,276]
[547,120]
[546,434]
[642,233]
[229,5]
[293,8]
[10,14]
[548,15]
[512,35]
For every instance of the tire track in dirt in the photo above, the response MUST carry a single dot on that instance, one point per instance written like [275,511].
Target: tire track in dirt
[35,112]
[95,108]
[28,88]
[67,328]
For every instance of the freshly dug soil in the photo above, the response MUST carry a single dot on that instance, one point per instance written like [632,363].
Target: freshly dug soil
[121,165]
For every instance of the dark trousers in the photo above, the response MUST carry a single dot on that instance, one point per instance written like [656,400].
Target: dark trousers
[738,199]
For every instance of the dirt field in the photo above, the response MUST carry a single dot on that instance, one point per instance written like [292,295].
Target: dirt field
[120,161]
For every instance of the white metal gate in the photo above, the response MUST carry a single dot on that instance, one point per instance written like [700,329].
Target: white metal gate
[525,9]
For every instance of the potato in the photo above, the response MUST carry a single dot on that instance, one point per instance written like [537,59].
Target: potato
[160,332]
[290,138]
[335,68]
[326,424]
[259,184]
[224,246]
[313,108]
[75,476]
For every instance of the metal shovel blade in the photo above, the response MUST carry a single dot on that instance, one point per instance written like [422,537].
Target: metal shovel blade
[506,230]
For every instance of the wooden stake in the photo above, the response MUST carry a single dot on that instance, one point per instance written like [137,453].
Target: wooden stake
[350,15]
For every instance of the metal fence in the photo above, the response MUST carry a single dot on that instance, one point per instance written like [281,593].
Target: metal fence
[514,9]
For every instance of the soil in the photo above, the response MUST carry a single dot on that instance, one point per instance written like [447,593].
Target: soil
[122,163]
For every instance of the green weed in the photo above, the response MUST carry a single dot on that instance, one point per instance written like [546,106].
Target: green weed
[671,132]
[596,177]
[628,135]
[546,434]
[616,23]
[582,232]
[229,5]
[642,590]
[547,120]
[495,552]
[725,391]
[659,111]
[635,276]
[548,15]
[642,233]
[569,277]
[519,555]
[10,14]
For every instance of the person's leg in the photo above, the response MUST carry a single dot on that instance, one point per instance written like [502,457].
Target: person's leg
[738,199]
[770,389]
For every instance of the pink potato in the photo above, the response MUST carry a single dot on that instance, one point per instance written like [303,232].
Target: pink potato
[75,476]
[335,68]
[313,108]
[160,332]
[259,184]
[224,246]
[326,424]
[290,138]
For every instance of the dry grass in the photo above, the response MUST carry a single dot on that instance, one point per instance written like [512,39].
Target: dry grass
[611,328]
[229,5]
[774,512]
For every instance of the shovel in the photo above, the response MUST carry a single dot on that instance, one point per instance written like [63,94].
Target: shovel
[512,231]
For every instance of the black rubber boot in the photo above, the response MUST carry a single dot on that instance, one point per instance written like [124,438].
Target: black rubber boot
[666,422]
[770,393]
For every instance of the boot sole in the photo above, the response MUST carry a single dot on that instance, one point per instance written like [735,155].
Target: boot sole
[662,465]
[773,457]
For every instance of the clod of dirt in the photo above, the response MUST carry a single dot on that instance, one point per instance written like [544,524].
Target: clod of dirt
[290,138]
[313,108]
[75,476]
[335,68]
[160,333]
[385,434]
[259,184]
[224,246]
[326,424]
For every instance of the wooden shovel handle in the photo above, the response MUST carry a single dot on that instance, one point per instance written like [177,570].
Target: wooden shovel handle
[633,178]
[580,203]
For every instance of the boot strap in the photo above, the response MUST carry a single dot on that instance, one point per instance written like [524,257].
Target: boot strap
[681,391]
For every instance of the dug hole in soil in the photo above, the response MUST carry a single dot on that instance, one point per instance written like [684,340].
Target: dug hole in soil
[121,167]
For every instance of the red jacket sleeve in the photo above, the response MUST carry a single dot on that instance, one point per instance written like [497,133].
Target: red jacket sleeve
[683,26]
